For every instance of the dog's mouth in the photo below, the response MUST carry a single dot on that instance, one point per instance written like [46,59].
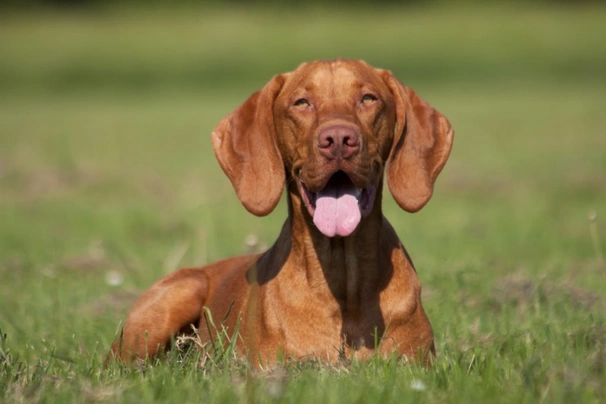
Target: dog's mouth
[338,208]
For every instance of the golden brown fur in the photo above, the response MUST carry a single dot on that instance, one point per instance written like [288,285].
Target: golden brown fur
[312,295]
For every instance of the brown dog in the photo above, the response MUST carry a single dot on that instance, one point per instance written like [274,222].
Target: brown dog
[337,281]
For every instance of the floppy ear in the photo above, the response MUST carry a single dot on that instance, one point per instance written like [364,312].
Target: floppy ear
[421,145]
[244,143]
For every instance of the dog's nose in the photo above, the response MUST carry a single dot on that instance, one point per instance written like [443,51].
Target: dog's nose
[338,142]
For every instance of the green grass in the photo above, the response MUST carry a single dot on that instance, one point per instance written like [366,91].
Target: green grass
[106,170]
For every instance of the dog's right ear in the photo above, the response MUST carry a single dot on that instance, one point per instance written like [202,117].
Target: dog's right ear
[244,143]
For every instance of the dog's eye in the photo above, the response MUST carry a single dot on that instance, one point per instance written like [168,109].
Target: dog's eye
[302,102]
[368,98]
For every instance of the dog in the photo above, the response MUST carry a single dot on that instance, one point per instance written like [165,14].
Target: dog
[338,281]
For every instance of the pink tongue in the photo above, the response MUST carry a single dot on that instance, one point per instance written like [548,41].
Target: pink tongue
[337,212]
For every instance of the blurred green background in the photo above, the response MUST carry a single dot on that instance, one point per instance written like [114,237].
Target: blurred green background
[108,180]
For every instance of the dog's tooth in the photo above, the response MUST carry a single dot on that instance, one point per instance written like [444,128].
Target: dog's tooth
[358,192]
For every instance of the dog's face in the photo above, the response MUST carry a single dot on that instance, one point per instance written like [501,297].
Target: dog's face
[331,127]
[334,124]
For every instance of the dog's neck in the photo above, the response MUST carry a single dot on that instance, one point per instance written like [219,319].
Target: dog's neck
[352,269]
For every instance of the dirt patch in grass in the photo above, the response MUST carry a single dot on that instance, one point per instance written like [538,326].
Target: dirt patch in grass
[113,304]
[12,264]
[518,290]
[94,258]
[33,183]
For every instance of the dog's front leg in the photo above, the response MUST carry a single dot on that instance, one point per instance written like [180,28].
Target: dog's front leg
[168,306]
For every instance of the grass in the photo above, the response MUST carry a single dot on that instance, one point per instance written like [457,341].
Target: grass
[108,181]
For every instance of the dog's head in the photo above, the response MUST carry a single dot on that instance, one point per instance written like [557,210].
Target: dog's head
[331,127]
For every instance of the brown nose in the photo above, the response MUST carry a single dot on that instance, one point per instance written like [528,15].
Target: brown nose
[338,142]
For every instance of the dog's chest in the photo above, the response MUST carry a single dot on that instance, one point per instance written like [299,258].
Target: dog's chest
[322,332]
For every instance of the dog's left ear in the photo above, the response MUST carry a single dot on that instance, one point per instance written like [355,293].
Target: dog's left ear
[245,146]
[422,142]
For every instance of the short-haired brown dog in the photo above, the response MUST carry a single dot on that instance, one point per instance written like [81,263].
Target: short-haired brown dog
[338,279]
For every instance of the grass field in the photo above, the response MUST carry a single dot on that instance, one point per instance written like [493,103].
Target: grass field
[108,181]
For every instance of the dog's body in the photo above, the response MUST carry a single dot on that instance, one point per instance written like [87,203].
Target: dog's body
[337,281]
